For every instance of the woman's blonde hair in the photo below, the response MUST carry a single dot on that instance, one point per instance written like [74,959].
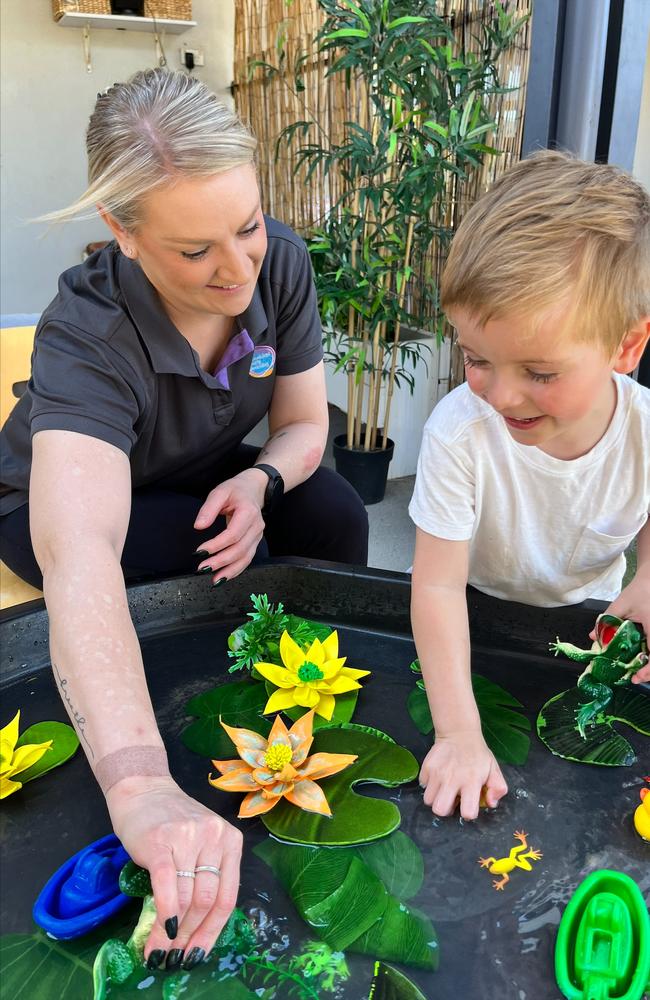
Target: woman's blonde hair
[554,230]
[144,133]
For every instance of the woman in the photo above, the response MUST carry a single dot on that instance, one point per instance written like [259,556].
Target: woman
[124,457]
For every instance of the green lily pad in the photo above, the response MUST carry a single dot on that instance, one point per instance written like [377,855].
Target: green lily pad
[356,818]
[390,984]
[239,704]
[358,728]
[64,744]
[343,709]
[349,906]
[556,727]
[504,729]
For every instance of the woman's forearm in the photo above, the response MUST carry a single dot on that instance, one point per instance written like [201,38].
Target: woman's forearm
[95,654]
[295,451]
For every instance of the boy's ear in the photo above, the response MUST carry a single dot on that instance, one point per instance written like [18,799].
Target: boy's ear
[629,353]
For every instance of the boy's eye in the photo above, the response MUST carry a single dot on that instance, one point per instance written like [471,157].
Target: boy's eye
[195,255]
[473,362]
[542,376]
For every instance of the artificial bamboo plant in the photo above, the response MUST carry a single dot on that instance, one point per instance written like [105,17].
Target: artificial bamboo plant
[421,127]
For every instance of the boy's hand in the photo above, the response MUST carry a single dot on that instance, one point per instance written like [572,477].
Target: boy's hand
[459,766]
[633,603]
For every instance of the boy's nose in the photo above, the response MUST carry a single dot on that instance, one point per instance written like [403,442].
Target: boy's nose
[502,394]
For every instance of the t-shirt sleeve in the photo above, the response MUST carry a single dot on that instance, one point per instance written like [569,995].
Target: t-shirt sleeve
[79,383]
[298,327]
[443,501]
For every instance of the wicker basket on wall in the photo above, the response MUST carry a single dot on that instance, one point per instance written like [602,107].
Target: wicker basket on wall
[174,10]
[61,7]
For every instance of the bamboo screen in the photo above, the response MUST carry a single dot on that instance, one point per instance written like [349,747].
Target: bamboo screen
[265,27]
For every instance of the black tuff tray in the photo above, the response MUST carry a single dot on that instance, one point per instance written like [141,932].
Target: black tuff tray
[492,944]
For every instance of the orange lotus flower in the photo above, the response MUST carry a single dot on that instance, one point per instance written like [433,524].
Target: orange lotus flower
[277,768]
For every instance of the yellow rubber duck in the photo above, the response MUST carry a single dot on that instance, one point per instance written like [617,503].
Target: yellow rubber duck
[642,814]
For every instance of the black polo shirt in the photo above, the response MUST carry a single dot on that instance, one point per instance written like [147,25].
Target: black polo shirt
[108,362]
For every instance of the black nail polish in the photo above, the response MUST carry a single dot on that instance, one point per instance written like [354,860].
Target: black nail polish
[201,552]
[156,958]
[171,927]
[195,956]
[222,579]
[174,958]
[205,569]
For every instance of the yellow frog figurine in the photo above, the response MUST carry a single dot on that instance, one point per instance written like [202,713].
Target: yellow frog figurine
[516,859]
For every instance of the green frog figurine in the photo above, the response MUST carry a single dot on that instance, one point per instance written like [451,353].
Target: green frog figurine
[619,650]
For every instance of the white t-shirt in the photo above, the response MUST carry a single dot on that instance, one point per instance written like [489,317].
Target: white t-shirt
[542,530]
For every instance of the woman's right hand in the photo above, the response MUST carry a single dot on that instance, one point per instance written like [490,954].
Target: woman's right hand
[458,767]
[165,831]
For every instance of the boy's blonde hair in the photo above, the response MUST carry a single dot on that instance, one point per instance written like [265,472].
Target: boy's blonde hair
[556,229]
[149,131]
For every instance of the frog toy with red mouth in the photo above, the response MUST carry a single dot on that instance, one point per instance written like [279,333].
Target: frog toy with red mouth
[619,650]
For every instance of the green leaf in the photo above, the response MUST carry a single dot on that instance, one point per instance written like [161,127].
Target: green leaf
[402,935]
[418,709]
[344,899]
[398,862]
[357,10]
[346,33]
[505,730]
[356,818]
[64,745]
[556,727]
[35,967]
[239,703]
[390,984]
[406,20]
[356,904]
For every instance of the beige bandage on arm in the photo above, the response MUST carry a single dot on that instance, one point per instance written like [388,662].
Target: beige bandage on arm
[129,762]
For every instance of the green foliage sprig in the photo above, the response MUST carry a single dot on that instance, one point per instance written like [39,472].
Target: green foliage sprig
[258,640]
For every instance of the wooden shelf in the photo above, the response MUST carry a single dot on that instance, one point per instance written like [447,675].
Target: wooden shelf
[124,23]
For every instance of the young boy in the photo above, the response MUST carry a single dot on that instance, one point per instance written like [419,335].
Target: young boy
[534,476]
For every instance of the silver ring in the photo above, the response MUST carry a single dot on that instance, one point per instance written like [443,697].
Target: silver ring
[186,874]
[208,868]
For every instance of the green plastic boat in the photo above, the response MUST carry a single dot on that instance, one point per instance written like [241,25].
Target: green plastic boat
[602,950]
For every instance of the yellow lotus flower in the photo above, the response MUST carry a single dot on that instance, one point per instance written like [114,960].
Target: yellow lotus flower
[12,760]
[277,768]
[310,679]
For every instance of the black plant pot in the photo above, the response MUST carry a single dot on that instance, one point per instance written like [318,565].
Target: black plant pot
[367,471]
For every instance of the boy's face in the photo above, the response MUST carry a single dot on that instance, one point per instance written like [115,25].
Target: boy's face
[552,392]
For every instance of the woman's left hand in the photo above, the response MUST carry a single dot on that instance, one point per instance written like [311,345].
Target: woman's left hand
[240,501]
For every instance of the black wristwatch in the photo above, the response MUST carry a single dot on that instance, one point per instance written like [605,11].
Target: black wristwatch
[274,488]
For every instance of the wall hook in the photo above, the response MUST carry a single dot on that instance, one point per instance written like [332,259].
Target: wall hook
[85,38]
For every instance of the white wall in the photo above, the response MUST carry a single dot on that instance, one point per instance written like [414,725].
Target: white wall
[47,98]
[642,152]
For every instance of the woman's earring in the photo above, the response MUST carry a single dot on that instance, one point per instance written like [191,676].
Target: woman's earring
[128,251]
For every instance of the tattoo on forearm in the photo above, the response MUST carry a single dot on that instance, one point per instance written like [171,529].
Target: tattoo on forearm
[79,720]
[274,437]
